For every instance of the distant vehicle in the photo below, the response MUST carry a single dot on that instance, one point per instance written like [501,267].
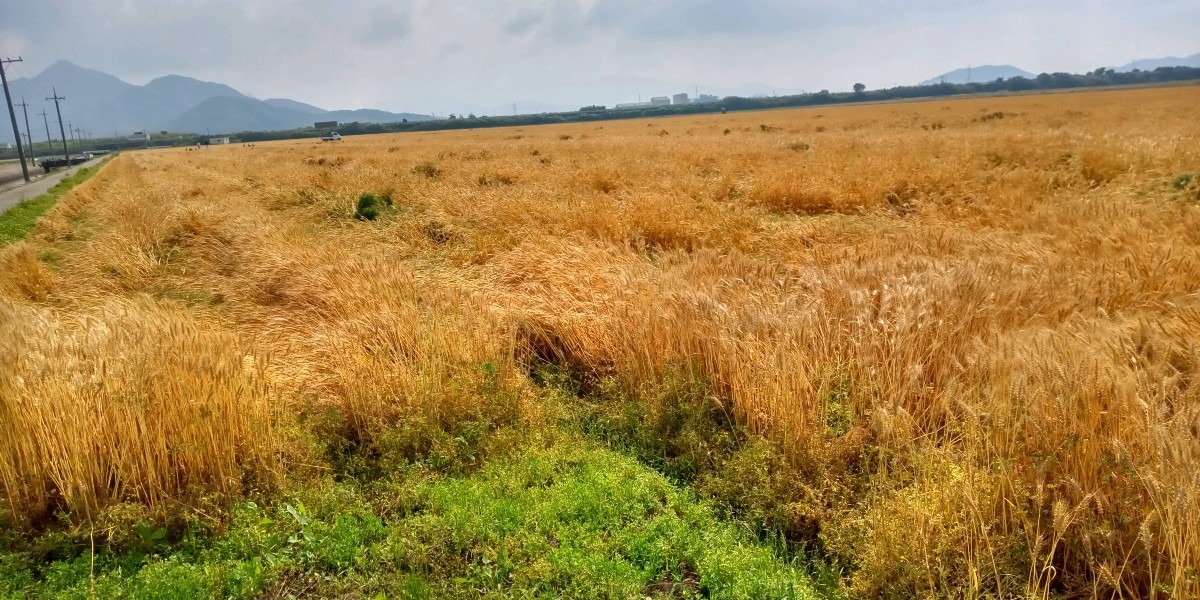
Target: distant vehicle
[332,136]
[53,163]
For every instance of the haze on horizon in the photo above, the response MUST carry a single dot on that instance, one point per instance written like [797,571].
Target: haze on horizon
[427,56]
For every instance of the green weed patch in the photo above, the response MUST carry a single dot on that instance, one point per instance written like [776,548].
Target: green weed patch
[569,520]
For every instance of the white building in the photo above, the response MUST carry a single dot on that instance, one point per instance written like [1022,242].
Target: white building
[660,101]
[680,99]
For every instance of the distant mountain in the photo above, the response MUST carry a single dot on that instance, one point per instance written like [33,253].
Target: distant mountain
[1150,64]
[105,105]
[230,114]
[980,74]
[181,91]
[226,114]
[71,78]
[294,105]
[370,115]
[154,105]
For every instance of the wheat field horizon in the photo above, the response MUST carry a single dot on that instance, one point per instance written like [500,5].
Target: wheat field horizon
[960,335]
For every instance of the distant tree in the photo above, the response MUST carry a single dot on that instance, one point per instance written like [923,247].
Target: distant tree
[859,88]
[471,116]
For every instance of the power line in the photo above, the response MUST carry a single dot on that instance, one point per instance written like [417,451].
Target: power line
[56,98]
[13,115]
[28,79]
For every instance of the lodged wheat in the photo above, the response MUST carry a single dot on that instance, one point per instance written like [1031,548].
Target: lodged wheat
[976,336]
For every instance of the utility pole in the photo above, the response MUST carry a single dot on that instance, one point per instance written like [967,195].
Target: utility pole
[71,130]
[49,140]
[28,132]
[13,115]
[56,98]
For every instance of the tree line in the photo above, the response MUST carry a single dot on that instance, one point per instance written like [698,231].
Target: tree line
[1045,81]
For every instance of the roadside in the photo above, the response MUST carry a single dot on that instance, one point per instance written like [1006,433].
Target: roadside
[10,173]
[13,192]
[21,207]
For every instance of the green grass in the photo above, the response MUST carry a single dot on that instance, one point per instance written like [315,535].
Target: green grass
[557,519]
[19,220]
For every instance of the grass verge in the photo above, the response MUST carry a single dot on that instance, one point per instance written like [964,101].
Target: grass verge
[19,220]
[563,518]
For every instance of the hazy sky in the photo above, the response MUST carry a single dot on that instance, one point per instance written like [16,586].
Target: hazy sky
[448,56]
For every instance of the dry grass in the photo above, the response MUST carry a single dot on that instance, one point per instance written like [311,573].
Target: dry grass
[1000,315]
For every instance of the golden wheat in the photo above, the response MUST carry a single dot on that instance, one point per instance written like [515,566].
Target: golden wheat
[1009,304]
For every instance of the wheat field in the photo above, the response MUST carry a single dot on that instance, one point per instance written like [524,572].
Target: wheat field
[970,324]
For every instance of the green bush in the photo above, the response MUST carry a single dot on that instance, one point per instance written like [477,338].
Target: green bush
[370,205]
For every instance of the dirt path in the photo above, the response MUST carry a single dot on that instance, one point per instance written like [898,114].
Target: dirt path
[11,172]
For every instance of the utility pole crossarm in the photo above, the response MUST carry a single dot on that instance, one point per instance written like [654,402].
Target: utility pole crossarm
[12,115]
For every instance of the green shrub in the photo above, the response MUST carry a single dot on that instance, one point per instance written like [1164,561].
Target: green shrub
[369,206]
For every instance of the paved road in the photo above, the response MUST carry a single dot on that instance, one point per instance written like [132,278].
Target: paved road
[14,194]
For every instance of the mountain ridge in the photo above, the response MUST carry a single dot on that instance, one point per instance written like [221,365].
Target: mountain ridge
[1149,64]
[105,105]
[978,74]
[985,73]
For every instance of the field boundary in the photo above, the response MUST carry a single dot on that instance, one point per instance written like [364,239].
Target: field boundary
[18,220]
